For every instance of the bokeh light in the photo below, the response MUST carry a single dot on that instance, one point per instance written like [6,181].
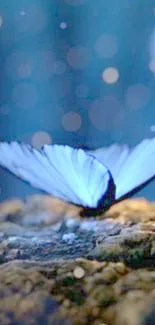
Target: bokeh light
[110,75]
[40,138]
[22,13]
[71,121]
[152,45]
[78,57]
[18,64]
[63,25]
[77,71]
[137,96]
[59,67]
[152,65]
[106,46]
[1,21]
[152,128]
[24,70]
[43,65]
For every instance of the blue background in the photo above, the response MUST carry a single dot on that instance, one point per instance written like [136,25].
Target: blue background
[77,72]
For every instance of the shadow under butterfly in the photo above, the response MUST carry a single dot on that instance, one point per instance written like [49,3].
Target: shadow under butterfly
[91,179]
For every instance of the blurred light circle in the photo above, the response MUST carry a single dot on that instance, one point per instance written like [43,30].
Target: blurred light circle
[110,75]
[63,25]
[79,273]
[18,64]
[137,96]
[78,57]
[75,2]
[152,65]
[106,46]
[152,128]
[24,70]
[152,46]
[82,91]
[71,121]
[22,13]
[104,113]
[59,67]
[32,18]
[25,95]
[41,138]
[1,21]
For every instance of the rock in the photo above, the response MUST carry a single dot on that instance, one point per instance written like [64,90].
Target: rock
[59,268]
[37,210]
[109,293]
[132,211]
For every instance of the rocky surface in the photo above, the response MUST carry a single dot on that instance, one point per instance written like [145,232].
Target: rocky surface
[58,268]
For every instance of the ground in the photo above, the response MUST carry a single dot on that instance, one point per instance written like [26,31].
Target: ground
[58,268]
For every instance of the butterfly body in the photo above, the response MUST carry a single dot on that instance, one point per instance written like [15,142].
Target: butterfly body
[107,200]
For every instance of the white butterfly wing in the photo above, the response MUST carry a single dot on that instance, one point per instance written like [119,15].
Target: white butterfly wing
[113,157]
[67,173]
[129,167]
[138,168]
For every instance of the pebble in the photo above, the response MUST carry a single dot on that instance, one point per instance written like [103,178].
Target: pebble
[69,238]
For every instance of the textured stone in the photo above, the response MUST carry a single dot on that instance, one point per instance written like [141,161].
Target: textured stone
[59,268]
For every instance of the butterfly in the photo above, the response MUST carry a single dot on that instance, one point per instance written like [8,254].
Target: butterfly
[92,179]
